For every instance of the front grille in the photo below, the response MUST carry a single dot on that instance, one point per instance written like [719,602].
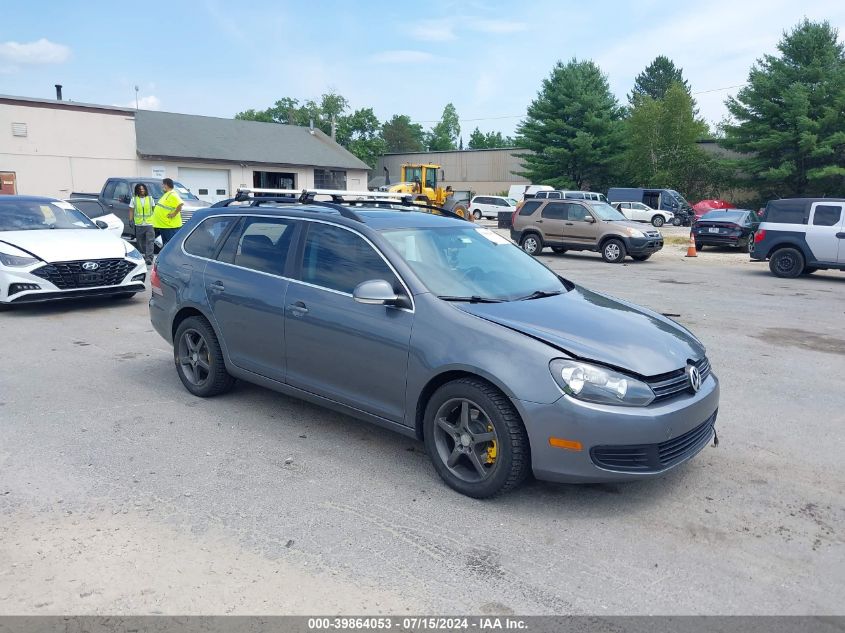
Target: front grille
[644,458]
[68,275]
[671,384]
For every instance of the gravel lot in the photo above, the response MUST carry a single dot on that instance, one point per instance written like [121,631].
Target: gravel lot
[121,493]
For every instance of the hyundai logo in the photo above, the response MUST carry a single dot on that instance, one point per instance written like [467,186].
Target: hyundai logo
[694,378]
[90,266]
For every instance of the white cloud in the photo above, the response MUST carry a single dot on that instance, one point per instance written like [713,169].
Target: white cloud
[401,57]
[496,26]
[434,30]
[14,55]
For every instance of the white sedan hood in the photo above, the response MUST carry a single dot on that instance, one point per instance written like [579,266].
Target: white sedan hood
[65,245]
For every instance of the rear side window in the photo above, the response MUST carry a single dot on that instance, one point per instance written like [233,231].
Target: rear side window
[529,207]
[338,259]
[542,194]
[826,215]
[786,212]
[554,211]
[555,195]
[204,239]
[262,244]
[574,195]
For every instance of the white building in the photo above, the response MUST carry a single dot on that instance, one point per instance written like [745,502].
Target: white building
[54,148]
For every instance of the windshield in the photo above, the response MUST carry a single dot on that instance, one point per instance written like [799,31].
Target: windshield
[27,215]
[157,192]
[471,262]
[604,211]
[679,198]
[511,202]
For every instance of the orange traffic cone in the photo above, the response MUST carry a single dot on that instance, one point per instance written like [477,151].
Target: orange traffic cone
[691,248]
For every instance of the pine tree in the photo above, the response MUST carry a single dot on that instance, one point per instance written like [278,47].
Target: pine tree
[400,135]
[655,80]
[789,118]
[573,128]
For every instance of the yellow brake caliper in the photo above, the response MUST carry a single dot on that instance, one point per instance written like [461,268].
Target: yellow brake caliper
[491,450]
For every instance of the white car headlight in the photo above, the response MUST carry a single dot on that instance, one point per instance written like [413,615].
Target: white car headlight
[634,233]
[14,257]
[133,253]
[599,384]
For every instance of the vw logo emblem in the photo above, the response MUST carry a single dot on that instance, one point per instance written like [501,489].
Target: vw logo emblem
[90,266]
[694,378]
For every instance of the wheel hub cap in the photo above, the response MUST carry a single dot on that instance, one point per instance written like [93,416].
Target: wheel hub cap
[466,440]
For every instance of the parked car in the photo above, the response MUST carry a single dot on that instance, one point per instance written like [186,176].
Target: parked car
[575,225]
[490,206]
[50,250]
[117,193]
[571,195]
[661,199]
[802,235]
[440,330]
[639,212]
[96,211]
[728,227]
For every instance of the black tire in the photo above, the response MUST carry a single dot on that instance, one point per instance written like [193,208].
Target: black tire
[786,262]
[217,380]
[558,249]
[657,221]
[809,270]
[749,245]
[512,456]
[613,251]
[461,211]
[477,214]
[676,221]
[532,243]
[699,246]
[640,258]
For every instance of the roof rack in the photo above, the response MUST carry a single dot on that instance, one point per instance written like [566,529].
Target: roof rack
[341,197]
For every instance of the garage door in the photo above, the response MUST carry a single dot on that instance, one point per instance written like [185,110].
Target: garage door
[211,185]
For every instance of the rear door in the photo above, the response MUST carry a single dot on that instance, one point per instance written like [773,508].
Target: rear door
[824,230]
[552,220]
[246,288]
[625,209]
[116,197]
[339,349]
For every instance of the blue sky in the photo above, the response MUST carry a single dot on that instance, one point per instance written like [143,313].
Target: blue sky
[216,57]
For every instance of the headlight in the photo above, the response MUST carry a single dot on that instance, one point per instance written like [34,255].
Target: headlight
[16,260]
[134,254]
[634,233]
[599,384]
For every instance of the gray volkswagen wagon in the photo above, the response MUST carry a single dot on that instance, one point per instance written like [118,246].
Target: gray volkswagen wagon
[440,330]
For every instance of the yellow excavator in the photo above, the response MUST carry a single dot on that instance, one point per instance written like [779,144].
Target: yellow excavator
[420,181]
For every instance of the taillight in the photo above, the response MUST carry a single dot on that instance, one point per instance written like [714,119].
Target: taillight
[760,235]
[155,281]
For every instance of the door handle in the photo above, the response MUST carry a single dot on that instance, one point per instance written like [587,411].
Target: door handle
[217,286]
[841,236]
[570,224]
[539,222]
[298,309]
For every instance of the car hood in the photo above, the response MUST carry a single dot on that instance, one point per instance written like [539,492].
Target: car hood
[593,326]
[631,225]
[63,245]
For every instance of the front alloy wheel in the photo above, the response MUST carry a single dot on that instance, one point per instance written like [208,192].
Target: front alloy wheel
[613,252]
[476,214]
[475,438]
[199,359]
[658,221]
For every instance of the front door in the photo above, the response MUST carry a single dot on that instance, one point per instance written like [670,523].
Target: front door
[246,290]
[823,229]
[580,226]
[349,352]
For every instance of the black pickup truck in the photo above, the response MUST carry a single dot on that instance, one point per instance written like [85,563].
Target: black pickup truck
[117,193]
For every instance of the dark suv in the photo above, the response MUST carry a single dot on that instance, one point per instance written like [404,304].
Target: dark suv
[589,225]
[440,330]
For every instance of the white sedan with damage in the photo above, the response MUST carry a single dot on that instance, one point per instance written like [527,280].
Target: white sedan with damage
[50,250]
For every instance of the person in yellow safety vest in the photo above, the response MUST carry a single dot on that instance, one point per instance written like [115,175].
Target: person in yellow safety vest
[141,217]
[167,215]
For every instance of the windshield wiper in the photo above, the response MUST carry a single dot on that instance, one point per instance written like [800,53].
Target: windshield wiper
[472,299]
[539,294]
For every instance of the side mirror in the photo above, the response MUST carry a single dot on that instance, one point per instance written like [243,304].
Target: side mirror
[101,224]
[375,292]
[590,219]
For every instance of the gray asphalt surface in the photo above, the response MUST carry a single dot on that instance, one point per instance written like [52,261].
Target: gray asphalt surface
[122,493]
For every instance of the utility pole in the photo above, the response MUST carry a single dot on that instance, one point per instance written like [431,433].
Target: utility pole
[334,127]
[136,97]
